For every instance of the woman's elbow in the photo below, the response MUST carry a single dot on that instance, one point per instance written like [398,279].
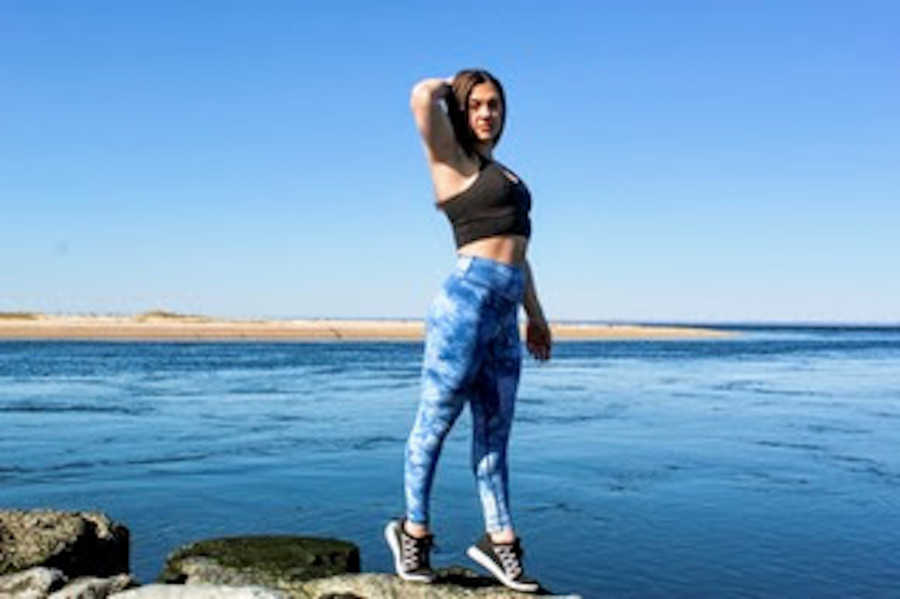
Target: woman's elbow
[424,93]
[419,99]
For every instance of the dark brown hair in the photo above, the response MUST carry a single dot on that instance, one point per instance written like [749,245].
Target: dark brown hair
[458,111]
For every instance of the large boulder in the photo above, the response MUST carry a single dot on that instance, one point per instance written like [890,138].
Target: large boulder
[278,561]
[76,543]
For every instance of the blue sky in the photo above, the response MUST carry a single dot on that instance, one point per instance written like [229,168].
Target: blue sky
[688,161]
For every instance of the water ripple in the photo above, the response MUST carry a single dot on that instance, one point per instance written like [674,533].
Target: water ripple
[833,428]
[759,387]
[258,390]
[49,408]
[376,442]
[790,445]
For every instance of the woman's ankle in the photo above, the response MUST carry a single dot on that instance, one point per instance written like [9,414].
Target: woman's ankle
[415,530]
[504,536]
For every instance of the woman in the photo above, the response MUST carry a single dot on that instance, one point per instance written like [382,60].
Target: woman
[472,346]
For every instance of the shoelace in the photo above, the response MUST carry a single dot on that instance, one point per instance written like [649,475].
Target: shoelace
[413,550]
[509,558]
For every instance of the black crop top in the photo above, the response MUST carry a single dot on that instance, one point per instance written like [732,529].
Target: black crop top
[492,205]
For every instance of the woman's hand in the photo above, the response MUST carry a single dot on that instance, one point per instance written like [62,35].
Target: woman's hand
[537,331]
[537,339]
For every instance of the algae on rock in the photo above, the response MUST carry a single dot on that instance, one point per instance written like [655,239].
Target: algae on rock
[273,560]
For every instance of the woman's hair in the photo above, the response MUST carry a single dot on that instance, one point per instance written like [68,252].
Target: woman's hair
[458,111]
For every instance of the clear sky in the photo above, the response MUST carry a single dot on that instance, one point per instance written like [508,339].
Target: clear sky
[688,161]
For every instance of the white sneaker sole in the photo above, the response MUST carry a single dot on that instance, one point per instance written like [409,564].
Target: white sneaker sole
[390,535]
[488,564]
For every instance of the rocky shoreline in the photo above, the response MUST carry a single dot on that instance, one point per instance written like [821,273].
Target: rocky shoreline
[50,554]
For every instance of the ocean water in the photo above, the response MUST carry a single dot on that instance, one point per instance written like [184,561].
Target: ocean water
[764,465]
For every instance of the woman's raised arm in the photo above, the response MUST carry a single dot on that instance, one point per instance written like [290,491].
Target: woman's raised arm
[428,103]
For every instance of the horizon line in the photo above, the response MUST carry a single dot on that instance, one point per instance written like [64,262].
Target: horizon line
[592,321]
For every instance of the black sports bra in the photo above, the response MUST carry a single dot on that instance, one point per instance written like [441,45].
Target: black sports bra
[492,205]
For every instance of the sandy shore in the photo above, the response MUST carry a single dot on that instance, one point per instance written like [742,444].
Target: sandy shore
[156,326]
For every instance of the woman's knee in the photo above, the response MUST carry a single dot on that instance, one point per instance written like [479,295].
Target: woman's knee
[487,464]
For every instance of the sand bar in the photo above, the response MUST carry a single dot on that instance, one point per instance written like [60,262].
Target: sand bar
[165,326]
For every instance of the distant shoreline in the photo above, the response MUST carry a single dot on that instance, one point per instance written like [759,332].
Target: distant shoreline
[163,326]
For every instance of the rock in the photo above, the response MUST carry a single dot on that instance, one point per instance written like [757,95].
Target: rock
[34,583]
[277,562]
[77,543]
[90,587]
[50,583]
[199,591]
[452,583]
[298,567]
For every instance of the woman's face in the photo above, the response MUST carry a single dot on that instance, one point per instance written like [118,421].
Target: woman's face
[485,111]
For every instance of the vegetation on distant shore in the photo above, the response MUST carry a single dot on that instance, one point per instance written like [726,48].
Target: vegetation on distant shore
[160,314]
[166,315]
[19,315]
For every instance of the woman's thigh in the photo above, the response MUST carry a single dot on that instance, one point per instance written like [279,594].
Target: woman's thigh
[497,380]
[458,329]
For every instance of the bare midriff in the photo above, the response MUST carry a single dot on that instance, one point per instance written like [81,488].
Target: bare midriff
[509,249]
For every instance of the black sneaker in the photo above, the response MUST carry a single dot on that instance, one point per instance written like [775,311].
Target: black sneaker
[504,561]
[411,555]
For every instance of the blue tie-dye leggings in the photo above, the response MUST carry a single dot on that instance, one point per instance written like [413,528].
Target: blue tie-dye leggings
[472,352]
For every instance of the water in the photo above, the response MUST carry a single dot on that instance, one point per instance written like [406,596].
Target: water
[764,465]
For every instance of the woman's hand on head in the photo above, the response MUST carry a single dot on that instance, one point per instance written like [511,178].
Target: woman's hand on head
[429,101]
[537,339]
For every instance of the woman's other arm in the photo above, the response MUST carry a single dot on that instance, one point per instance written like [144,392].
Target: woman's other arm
[537,331]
